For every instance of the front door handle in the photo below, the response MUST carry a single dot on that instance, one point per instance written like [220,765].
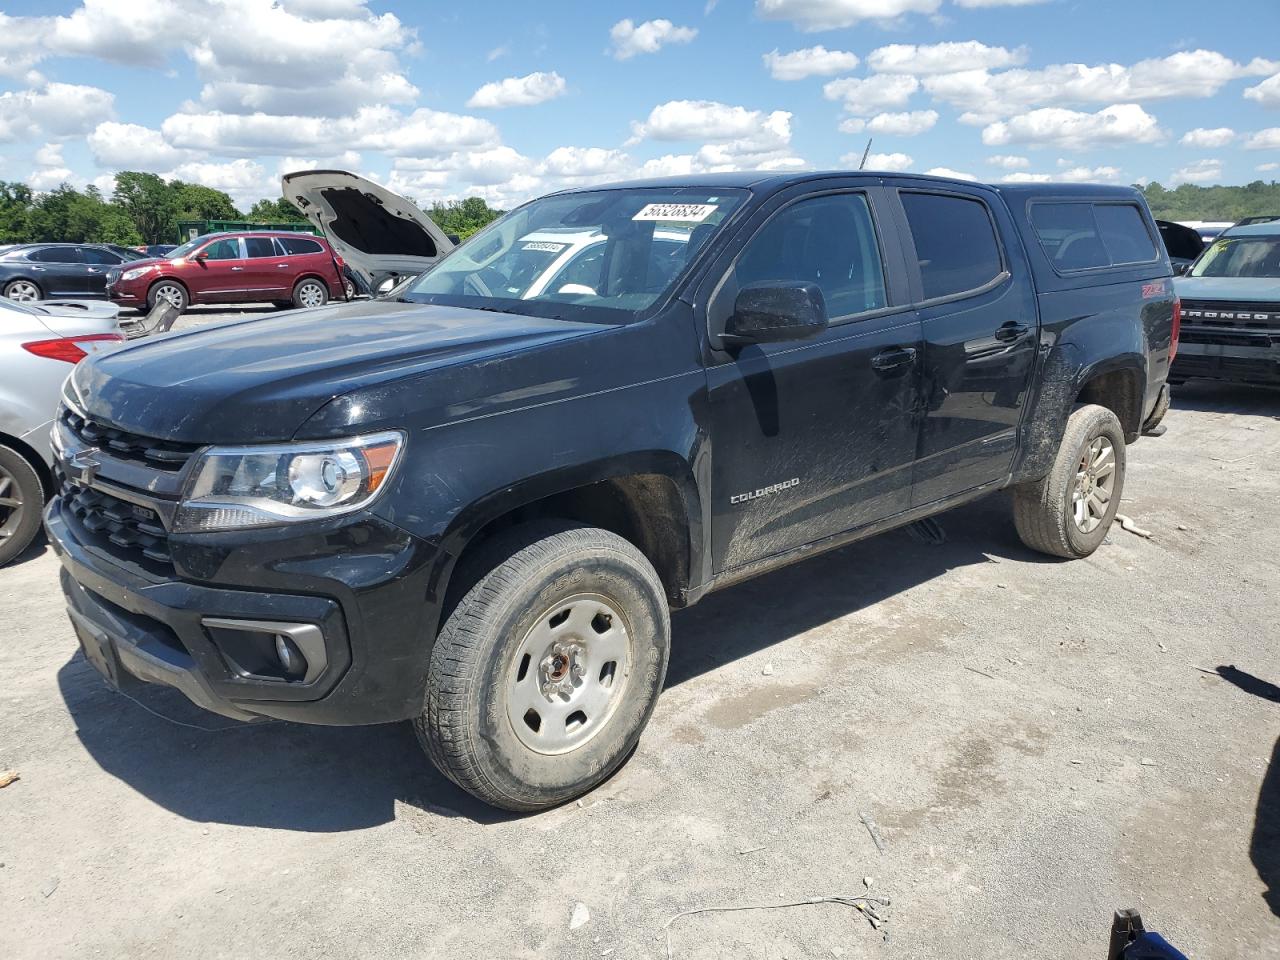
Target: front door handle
[281,266]
[237,268]
[893,358]
[1013,330]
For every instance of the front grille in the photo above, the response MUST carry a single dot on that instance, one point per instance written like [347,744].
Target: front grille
[1234,314]
[125,526]
[163,454]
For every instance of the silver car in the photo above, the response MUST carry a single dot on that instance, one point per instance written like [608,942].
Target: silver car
[39,344]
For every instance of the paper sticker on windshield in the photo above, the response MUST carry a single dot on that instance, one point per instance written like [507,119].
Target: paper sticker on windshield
[544,246]
[681,212]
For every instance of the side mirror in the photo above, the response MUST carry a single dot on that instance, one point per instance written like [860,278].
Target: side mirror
[1179,269]
[776,311]
[202,255]
[454,238]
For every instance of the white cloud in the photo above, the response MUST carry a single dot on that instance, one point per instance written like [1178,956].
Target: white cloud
[245,181]
[894,162]
[871,94]
[630,39]
[996,3]
[1022,176]
[575,163]
[1204,137]
[987,96]
[1268,139]
[50,155]
[497,53]
[519,91]
[812,15]
[1076,174]
[53,110]
[893,124]
[1056,126]
[1267,167]
[810,62]
[712,121]
[1009,161]
[1201,171]
[942,57]
[129,146]
[1267,92]
[948,172]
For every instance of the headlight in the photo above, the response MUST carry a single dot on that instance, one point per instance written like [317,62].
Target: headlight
[135,273]
[235,487]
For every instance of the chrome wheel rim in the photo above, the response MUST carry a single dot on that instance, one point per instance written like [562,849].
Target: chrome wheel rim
[311,295]
[569,674]
[1095,484]
[11,504]
[349,289]
[23,291]
[170,293]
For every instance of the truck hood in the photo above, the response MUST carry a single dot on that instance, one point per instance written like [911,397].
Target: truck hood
[1239,289]
[378,232]
[258,380]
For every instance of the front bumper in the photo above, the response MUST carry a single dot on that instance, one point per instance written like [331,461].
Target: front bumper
[1242,356]
[360,591]
[126,294]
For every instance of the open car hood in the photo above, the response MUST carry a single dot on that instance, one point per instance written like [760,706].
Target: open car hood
[379,233]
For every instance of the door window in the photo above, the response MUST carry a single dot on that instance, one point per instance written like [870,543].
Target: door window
[1124,233]
[828,240]
[227,249]
[1080,236]
[56,255]
[257,248]
[955,243]
[96,255]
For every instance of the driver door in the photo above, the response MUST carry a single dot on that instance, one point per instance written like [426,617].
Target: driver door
[815,437]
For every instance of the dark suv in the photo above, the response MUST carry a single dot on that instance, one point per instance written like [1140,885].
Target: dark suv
[288,269]
[475,506]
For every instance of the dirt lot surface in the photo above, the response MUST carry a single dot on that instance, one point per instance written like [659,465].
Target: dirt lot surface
[1037,743]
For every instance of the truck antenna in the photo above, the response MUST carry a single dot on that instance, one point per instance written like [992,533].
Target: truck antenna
[865,153]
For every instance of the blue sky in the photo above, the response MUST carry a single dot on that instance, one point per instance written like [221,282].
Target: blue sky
[509,100]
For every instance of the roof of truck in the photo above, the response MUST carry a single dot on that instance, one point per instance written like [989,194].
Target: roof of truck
[769,179]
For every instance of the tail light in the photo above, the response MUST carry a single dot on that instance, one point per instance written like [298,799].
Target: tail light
[1177,329]
[68,349]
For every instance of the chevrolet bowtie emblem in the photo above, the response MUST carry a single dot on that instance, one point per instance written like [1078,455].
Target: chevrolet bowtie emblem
[81,469]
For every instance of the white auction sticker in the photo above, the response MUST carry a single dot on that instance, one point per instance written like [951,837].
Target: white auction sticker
[682,212]
[544,246]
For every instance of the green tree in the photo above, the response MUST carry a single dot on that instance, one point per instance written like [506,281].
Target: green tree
[196,202]
[15,212]
[463,217]
[278,210]
[1191,202]
[149,203]
[68,215]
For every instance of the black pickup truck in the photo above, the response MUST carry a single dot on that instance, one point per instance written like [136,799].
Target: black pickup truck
[474,506]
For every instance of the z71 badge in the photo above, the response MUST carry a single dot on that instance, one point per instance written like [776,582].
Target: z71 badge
[765,491]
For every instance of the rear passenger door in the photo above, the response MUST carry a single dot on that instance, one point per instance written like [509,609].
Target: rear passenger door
[977,307]
[266,273]
[98,262]
[813,437]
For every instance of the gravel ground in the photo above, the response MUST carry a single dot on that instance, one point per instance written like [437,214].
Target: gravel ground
[1037,742]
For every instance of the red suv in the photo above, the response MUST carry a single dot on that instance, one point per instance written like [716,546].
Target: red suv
[288,269]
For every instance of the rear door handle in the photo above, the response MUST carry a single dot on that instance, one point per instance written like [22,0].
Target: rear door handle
[1013,330]
[893,358]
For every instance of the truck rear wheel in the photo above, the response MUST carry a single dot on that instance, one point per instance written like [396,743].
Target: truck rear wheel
[547,670]
[1068,513]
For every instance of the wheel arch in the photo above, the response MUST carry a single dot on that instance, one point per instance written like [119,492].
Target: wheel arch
[649,499]
[169,279]
[32,457]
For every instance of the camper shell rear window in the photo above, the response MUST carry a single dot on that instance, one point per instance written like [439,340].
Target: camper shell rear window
[1090,235]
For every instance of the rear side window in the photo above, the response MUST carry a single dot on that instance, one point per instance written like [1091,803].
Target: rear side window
[827,240]
[56,255]
[1081,236]
[259,247]
[955,243]
[298,245]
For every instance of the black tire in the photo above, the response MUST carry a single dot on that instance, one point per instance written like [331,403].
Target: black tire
[1044,511]
[21,503]
[179,298]
[13,286]
[309,290]
[522,578]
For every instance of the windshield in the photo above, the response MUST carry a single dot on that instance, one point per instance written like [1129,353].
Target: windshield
[602,255]
[186,248]
[1240,257]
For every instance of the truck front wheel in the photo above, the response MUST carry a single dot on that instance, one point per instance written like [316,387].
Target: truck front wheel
[1068,513]
[548,668]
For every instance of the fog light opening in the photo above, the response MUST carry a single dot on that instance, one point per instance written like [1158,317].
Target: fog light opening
[291,659]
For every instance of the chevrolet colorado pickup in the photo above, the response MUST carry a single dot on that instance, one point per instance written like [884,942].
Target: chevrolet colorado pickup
[474,506]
